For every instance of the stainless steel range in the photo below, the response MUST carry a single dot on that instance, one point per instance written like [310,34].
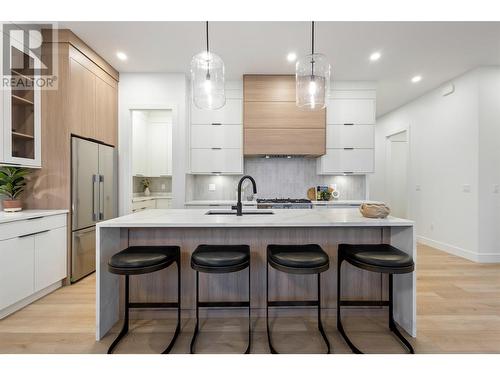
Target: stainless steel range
[277,203]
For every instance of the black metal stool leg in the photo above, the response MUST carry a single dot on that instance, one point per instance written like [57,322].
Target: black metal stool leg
[196,329]
[320,324]
[178,328]
[340,327]
[249,311]
[271,348]
[124,329]
[392,323]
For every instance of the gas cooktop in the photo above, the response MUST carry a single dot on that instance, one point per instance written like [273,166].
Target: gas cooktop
[283,200]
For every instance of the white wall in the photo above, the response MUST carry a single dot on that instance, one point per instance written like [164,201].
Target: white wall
[443,134]
[454,147]
[489,163]
[152,91]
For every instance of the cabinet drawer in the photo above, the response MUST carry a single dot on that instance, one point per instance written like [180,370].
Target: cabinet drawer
[355,136]
[23,227]
[163,202]
[216,161]
[221,136]
[231,113]
[347,161]
[351,111]
[16,269]
[281,115]
[50,257]
[269,88]
[284,142]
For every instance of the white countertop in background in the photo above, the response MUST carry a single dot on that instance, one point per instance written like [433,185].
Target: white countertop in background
[254,203]
[7,217]
[342,217]
[141,198]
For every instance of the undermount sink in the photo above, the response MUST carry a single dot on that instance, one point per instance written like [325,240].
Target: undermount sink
[245,212]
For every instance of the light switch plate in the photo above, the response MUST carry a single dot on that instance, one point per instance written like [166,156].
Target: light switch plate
[211,187]
[496,189]
[418,188]
[163,187]
[466,188]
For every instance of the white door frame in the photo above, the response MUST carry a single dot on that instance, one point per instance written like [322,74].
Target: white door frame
[126,179]
[408,161]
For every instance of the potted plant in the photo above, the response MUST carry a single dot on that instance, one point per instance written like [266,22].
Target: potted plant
[12,184]
[146,183]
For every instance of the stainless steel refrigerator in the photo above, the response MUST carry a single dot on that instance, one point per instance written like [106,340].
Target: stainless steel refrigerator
[94,198]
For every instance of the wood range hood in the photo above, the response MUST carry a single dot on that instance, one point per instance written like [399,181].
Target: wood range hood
[272,123]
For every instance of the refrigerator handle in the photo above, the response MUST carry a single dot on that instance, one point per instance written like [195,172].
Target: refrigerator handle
[94,200]
[101,197]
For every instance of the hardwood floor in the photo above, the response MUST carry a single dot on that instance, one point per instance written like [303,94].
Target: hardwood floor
[458,312]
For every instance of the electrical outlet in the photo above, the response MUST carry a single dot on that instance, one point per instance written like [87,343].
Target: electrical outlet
[496,189]
[163,187]
[466,188]
[211,187]
[418,188]
[432,227]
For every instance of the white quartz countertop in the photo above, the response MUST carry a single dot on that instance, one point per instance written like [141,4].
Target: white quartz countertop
[188,218]
[7,217]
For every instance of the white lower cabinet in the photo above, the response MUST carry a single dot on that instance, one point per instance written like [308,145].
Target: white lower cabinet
[17,263]
[34,258]
[163,203]
[50,257]
[339,161]
[223,161]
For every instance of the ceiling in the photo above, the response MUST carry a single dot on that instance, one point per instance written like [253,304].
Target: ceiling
[438,51]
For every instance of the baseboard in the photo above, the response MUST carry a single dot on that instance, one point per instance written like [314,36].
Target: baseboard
[458,251]
[30,299]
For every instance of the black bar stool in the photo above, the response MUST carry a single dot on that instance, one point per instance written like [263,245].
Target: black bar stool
[381,258]
[220,259]
[138,260]
[296,259]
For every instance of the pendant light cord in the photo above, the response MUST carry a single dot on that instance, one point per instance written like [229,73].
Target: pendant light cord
[312,50]
[208,55]
[207,36]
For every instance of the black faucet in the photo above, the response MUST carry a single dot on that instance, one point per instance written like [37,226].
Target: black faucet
[239,207]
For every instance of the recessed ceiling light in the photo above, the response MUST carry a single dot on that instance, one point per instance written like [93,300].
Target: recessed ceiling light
[416,79]
[375,56]
[291,57]
[121,56]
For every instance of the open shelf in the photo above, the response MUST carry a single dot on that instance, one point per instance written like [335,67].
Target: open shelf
[22,136]
[24,76]
[21,100]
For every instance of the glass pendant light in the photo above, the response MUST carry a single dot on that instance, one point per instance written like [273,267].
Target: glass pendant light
[207,79]
[312,80]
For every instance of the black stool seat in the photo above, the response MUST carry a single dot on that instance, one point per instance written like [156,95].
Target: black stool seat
[301,259]
[136,260]
[220,258]
[382,258]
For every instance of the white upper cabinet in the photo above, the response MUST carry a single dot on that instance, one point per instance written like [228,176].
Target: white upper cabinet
[151,143]
[350,136]
[231,113]
[216,137]
[350,111]
[350,131]
[20,142]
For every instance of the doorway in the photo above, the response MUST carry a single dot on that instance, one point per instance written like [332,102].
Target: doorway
[397,157]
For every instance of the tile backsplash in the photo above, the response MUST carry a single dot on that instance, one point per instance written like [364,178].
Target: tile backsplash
[156,184]
[275,177]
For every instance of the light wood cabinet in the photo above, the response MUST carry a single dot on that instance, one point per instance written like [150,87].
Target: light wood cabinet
[281,115]
[272,123]
[284,142]
[106,111]
[82,103]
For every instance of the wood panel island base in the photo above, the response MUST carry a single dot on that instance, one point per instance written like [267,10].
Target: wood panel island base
[189,228]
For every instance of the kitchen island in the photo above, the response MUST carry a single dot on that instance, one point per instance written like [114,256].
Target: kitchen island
[189,228]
